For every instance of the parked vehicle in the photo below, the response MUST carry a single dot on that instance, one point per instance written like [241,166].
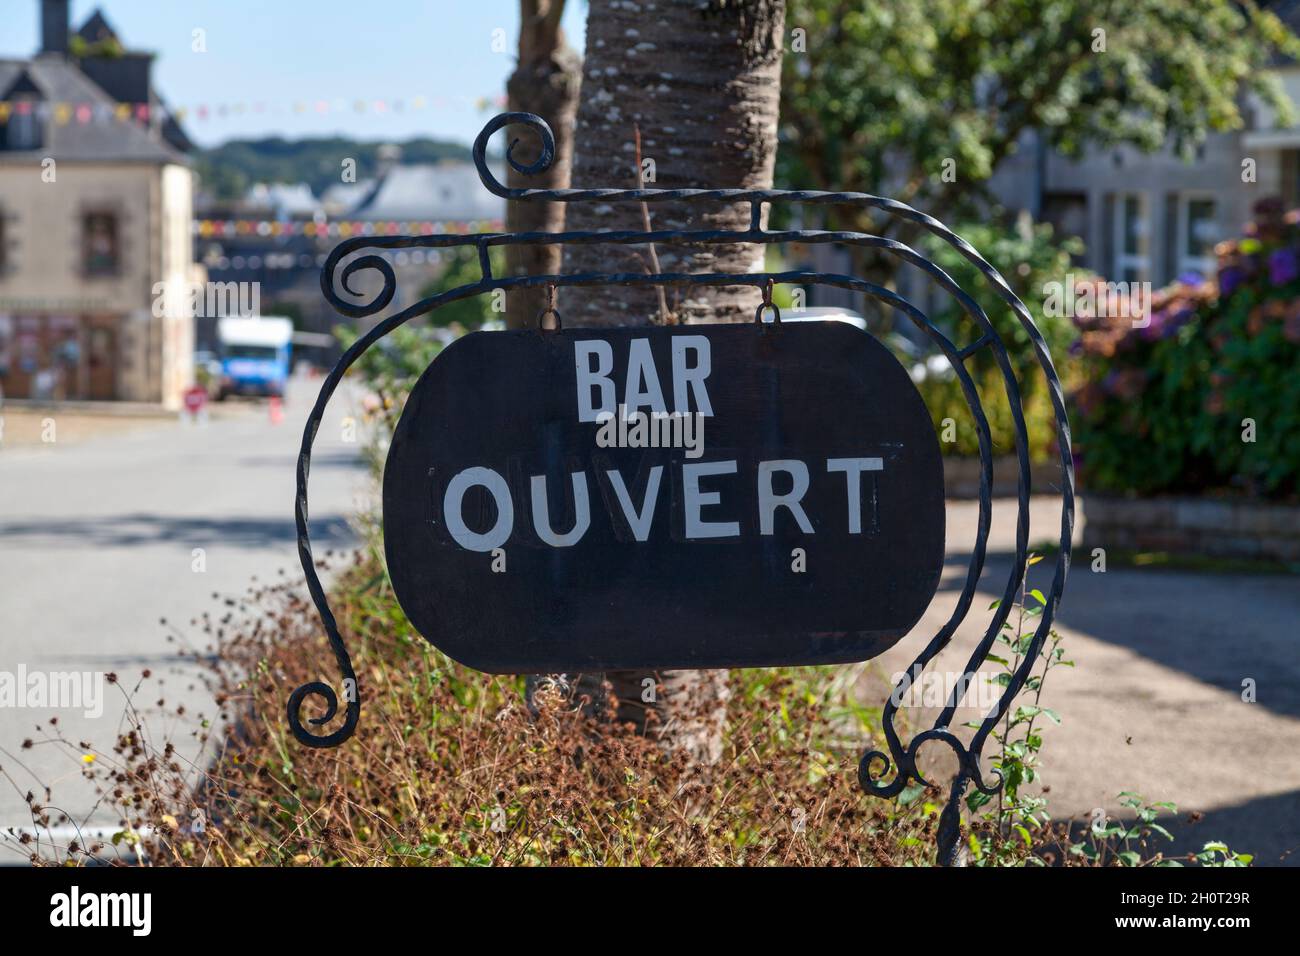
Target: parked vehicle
[254,355]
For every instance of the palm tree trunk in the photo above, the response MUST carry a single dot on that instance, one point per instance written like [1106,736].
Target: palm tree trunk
[544,82]
[696,85]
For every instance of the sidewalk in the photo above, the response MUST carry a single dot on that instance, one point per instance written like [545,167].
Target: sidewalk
[1154,704]
[100,541]
[27,424]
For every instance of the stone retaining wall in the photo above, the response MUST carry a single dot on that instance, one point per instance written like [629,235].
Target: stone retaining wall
[1222,528]
[961,477]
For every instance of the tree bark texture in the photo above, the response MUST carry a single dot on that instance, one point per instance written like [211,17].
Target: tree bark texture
[544,82]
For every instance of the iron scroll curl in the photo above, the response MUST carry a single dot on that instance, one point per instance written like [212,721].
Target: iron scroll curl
[344,263]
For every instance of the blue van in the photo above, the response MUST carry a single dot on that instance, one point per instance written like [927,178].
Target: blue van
[254,355]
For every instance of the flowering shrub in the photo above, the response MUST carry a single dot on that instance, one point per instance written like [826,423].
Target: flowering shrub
[1207,395]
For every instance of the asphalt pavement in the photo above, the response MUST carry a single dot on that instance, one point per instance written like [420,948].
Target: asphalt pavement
[102,538]
[1186,687]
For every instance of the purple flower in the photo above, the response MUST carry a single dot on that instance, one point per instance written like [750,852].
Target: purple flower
[1283,266]
[1229,279]
[1192,278]
[1165,322]
[1157,327]
[1179,319]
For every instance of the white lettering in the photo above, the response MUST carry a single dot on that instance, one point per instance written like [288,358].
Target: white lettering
[598,378]
[685,378]
[769,501]
[542,515]
[642,387]
[453,500]
[853,469]
[638,521]
[695,500]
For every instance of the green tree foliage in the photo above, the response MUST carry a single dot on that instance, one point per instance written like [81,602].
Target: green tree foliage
[885,92]
[109,47]
[460,267]
[389,369]
[230,169]
[1030,258]
[885,97]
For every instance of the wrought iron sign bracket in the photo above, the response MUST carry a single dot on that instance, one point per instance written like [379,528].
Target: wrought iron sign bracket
[876,766]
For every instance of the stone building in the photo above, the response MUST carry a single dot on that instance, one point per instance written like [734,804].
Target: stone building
[95,211]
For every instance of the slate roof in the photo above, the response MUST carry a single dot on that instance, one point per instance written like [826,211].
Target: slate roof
[97,28]
[431,191]
[58,80]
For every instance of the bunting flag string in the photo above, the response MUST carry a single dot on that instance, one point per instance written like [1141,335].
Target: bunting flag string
[63,113]
[276,258]
[340,229]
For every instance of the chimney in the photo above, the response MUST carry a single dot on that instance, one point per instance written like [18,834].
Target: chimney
[54,26]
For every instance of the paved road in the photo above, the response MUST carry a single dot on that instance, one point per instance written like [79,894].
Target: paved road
[97,544]
[1155,704]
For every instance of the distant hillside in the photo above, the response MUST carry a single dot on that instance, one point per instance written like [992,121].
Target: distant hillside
[228,170]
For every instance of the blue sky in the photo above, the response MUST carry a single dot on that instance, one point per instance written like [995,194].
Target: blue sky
[286,52]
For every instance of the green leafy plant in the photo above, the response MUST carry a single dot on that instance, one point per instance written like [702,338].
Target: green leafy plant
[1016,819]
[1124,843]
[460,267]
[1218,854]
[388,371]
[1014,827]
[1029,256]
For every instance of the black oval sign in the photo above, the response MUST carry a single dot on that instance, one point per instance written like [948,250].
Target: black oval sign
[669,497]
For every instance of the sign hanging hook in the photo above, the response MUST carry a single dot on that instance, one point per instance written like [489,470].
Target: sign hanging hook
[768,304]
[549,310]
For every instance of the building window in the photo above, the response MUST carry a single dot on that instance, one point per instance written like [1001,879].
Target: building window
[25,129]
[1132,239]
[1068,215]
[101,250]
[1198,231]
